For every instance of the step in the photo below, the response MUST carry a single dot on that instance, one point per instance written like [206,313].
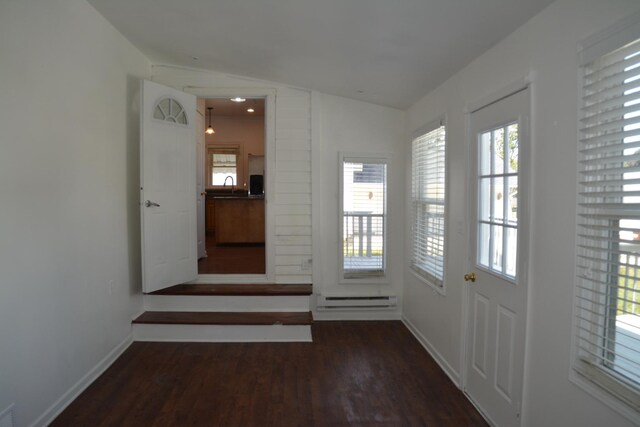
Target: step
[229,298]
[236,289]
[228,318]
[223,326]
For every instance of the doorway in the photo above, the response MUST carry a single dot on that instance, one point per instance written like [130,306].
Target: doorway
[496,303]
[231,181]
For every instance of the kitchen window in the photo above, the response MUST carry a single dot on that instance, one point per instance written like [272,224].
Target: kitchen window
[223,166]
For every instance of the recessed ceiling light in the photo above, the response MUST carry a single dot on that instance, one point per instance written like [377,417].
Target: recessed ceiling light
[250,110]
[238,99]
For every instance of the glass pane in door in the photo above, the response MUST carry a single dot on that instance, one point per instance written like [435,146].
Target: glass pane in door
[498,200]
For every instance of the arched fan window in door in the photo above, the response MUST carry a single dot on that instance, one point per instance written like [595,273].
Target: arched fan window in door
[170,110]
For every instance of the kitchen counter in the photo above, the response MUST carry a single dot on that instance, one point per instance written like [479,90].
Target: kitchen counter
[239,219]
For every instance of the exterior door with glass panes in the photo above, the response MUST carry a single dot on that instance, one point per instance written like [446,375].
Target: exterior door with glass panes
[496,279]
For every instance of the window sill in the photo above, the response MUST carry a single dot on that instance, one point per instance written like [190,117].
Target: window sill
[438,289]
[604,396]
[381,280]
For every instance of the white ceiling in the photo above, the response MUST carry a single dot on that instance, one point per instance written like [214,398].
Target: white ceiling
[389,52]
[225,107]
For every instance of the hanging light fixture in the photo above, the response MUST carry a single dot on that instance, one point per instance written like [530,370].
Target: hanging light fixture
[210,130]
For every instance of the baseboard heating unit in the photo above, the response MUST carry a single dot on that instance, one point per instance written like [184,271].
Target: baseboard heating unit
[376,302]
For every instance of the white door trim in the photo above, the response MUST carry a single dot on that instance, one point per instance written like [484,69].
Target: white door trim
[270,168]
[495,96]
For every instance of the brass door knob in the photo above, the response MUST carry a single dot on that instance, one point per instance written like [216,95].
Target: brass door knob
[204,193]
[470,277]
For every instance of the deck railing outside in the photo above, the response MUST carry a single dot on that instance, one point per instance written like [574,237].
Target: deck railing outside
[363,240]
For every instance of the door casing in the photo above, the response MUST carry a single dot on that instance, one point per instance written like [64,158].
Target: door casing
[269,96]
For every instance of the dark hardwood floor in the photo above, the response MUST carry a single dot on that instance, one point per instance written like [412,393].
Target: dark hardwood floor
[225,318]
[232,259]
[236,289]
[353,374]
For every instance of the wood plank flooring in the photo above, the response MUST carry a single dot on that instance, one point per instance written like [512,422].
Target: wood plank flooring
[237,289]
[353,374]
[232,259]
[224,318]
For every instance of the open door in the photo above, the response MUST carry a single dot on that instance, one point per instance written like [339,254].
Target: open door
[168,186]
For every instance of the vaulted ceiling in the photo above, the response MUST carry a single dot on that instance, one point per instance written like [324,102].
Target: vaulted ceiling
[388,52]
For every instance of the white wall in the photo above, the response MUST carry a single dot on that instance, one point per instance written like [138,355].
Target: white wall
[69,227]
[547,47]
[346,125]
[335,124]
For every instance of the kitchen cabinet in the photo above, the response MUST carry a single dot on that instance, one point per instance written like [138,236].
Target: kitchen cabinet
[239,220]
[210,215]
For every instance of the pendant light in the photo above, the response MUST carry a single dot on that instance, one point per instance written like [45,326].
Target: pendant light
[210,130]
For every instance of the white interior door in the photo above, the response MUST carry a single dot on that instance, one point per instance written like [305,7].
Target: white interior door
[168,162]
[200,186]
[497,299]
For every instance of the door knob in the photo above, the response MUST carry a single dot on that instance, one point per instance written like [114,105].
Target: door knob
[203,193]
[470,277]
[149,203]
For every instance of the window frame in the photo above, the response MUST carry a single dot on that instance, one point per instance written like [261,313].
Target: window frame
[224,149]
[503,275]
[599,380]
[423,275]
[381,158]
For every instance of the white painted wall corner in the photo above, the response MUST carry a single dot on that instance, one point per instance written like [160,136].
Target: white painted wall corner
[70,395]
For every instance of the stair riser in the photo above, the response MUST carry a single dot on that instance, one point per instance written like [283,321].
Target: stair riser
[225,303]
[222,333]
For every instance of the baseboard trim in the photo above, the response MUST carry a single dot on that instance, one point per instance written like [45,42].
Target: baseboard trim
[448,369]
[70,395]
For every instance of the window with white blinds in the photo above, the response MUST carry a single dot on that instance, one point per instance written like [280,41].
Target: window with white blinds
[428,195]
[607,344]
[364,208]
[223,166]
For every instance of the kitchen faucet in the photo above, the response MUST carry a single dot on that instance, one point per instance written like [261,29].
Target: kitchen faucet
[232,183]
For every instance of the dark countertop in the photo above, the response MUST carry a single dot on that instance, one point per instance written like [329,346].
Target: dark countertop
[237,197]
[228,194]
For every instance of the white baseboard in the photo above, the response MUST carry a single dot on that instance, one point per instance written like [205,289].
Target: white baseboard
[356,315]
[448,369]
[70,395]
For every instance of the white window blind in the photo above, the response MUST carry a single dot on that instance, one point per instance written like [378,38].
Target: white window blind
[608,244]
[364,193]
[428,205]
[223,164]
